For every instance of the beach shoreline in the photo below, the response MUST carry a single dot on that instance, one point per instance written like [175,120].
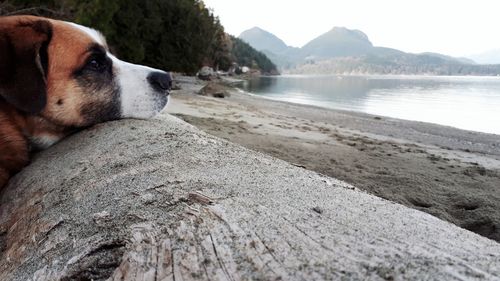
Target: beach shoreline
[450,173]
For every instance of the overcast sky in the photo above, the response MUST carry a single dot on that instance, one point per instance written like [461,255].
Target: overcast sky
[460,27]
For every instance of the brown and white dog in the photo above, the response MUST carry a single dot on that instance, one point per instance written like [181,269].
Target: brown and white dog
[56,77]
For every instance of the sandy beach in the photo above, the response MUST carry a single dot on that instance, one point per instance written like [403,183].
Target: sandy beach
[450,173]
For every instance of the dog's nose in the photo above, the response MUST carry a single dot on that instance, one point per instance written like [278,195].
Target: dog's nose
[161,81]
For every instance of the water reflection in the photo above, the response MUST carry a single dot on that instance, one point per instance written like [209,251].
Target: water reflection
[471,103]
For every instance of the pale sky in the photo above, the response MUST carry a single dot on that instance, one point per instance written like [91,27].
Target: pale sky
[458,28]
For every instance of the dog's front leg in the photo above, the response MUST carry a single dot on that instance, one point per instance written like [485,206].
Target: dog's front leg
[7,171]
[13,153]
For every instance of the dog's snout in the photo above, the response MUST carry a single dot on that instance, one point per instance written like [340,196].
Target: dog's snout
[160,81]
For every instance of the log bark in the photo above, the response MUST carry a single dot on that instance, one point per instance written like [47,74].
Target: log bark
[160,200]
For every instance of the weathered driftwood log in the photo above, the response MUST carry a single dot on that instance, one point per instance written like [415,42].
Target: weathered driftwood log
[160,200]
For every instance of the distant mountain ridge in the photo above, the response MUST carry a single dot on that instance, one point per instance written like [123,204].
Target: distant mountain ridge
[488,57]
[343,51]
[338,42]
[273,47]
[263,40]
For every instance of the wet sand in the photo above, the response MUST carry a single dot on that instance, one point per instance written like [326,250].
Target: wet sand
[450,173]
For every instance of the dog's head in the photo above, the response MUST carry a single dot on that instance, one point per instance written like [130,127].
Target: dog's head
[65,73]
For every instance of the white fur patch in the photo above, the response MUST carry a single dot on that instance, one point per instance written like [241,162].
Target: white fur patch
[94,34]
[138,98]
[42,142]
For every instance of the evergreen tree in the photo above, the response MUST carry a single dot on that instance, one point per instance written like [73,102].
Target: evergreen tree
[175,35]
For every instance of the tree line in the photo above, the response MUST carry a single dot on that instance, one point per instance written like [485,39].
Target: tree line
[375,65]
[176,35]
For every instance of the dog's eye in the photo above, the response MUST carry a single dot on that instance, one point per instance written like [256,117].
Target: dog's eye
[96,64]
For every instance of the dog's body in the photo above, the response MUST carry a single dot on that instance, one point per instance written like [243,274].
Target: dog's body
[56,77]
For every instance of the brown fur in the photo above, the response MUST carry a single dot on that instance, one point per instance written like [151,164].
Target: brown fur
[13,145]
[21,119]
[71,46]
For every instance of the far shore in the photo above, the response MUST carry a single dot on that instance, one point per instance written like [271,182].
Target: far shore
[450,173]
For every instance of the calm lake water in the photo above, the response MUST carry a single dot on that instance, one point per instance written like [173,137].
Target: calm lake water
[471,103]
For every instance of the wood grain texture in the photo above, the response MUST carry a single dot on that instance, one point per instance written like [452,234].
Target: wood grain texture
[160,200]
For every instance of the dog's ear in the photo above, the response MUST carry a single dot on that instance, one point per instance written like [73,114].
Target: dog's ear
[24,62]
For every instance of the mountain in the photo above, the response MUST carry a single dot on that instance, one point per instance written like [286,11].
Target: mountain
[488,57]
[342,51]
[263,40]
[338,42]
[273,47]
[445,57]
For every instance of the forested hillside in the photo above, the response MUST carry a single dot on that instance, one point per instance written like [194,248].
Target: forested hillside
[246,55]
[177,35]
